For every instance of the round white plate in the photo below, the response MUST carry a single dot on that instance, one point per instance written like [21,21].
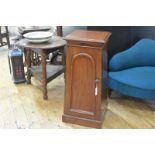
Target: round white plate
[39,40]
[38,35]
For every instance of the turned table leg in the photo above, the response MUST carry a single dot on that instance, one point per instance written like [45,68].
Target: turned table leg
[44,81]
[63,61]
[28,63]
[109,92]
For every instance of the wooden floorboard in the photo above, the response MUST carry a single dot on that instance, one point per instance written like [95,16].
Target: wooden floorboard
[22,106]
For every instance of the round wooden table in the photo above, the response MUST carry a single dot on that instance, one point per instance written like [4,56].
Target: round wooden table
[43,72]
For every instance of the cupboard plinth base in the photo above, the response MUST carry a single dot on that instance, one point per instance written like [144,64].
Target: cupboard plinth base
[82,121]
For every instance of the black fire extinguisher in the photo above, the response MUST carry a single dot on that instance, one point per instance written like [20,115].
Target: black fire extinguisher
[16,66]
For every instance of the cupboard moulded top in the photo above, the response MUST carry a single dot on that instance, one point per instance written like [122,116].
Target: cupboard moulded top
[88,36]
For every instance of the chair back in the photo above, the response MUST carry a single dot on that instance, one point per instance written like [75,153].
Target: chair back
[140,54]
[4,33]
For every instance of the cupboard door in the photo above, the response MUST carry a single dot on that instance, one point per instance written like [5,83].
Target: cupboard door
[83,83]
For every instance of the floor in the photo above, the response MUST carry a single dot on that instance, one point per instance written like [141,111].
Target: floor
[22,106]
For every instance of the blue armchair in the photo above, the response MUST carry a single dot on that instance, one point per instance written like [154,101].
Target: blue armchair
[132,72]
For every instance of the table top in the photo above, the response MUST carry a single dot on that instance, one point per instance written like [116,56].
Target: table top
[23,29]
[55,42]
[89,36]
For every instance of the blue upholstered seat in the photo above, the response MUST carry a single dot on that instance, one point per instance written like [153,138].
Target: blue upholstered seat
[132,72]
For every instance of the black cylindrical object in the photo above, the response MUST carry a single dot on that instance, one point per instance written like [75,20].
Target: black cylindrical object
[15,58]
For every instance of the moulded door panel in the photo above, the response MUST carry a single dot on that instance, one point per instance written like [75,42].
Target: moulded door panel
[82,89]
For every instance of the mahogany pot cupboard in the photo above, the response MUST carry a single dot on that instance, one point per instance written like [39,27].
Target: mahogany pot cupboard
[86,78]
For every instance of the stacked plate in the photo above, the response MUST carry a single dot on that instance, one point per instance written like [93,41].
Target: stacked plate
[38,37]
